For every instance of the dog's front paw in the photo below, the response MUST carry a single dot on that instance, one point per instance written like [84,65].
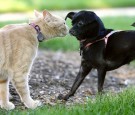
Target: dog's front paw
[62,97]
[8,106]
[33,104]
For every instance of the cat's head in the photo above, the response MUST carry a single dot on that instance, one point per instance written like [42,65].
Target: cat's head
[51,25]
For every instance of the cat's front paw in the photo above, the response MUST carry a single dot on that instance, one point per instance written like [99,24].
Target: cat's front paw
[8,106]
[34,104]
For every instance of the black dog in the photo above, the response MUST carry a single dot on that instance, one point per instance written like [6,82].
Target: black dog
[95,51]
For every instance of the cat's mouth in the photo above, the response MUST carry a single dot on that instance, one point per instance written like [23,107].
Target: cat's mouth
[65,32]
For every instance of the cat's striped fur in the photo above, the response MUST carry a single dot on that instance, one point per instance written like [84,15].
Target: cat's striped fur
[18,47]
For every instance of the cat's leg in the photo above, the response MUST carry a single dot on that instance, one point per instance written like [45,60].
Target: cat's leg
[10,96]
[4,95]
[20,81]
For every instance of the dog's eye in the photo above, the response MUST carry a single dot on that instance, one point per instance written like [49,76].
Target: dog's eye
[80,23]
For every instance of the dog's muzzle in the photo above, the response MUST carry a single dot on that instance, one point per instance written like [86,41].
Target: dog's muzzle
[72,32]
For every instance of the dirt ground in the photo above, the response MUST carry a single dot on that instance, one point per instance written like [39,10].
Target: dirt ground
[54,72]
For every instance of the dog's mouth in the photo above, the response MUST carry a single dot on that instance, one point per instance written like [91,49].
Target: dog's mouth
[72,32]
[75,34]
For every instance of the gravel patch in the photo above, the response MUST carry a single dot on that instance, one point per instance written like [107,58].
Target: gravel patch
[54,73]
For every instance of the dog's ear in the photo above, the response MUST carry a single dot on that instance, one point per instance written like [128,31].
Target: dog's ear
[99,21]
[101,26]
[133,24]
[70,15]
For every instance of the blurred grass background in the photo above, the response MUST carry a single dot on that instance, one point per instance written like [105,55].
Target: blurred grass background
[68,43]
[27,5]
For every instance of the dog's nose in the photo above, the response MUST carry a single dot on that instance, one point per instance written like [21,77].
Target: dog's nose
[72,32]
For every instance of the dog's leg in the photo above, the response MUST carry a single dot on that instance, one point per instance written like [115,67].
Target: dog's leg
[84,70]
[101,78]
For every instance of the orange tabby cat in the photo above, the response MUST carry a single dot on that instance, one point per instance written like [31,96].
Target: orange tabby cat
[18,47]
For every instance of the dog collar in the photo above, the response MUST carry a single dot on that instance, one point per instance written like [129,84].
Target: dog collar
[40,36]
[104,38]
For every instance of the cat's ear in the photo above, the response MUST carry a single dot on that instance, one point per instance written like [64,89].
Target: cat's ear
[46,14]
[37,14]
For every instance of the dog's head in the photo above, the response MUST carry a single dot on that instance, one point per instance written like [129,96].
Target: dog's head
[86,24]
[51,25]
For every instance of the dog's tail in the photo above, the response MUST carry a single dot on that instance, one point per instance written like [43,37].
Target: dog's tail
[133,24]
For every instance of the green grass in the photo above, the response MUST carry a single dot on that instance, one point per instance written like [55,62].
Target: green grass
[70,43]
[28,5]
[107,104]
[82,4]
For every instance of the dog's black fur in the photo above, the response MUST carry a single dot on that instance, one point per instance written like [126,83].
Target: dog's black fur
[119,50]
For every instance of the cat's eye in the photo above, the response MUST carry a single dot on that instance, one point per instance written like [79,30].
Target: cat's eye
[80,23]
